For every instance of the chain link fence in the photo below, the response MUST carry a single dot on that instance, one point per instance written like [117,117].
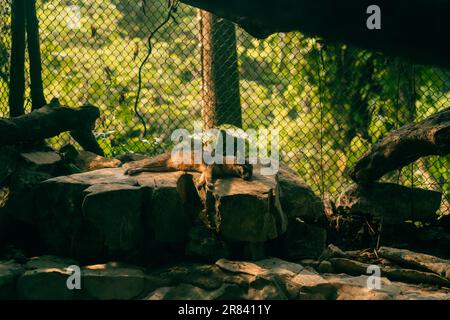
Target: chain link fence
[330,102]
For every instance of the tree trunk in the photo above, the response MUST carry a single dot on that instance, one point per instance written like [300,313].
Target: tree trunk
[17,71]
[220,75]
[37,88]
[49,121]
[401,147]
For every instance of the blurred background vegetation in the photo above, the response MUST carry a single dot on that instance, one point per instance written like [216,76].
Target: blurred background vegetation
[330,101]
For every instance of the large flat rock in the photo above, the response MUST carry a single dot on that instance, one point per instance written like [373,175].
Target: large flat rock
[392,202]
[105,212]
[116,211]
[8,162]
[45,284]
[9,273]
[260,209]
[102,176]
[41,158]
[167,215]
[46,278]
[245,210]
[20,202]
[296,197]
[303,241]
[112,281]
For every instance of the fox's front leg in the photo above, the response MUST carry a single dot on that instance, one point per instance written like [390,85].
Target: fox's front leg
[134,171]
[206,179]
[160,163]
[200,184]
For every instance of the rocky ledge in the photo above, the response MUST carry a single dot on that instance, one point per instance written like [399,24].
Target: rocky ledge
[104,214]
[47,277]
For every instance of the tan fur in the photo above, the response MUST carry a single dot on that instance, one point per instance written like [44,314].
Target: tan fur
[169,162]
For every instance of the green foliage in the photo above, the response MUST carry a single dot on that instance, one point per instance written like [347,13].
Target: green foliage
[5,20]
[98,62]
[331,102]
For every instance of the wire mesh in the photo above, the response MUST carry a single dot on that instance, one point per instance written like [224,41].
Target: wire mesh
[331,102]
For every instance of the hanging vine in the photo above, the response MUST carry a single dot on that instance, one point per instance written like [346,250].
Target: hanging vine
[173,6]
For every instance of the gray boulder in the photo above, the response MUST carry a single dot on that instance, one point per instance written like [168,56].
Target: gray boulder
[392,202]
[296,197]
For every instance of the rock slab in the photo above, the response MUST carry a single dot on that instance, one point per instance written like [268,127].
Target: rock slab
[394,203]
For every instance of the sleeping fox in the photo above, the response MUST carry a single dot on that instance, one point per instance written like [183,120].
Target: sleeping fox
[179,161]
